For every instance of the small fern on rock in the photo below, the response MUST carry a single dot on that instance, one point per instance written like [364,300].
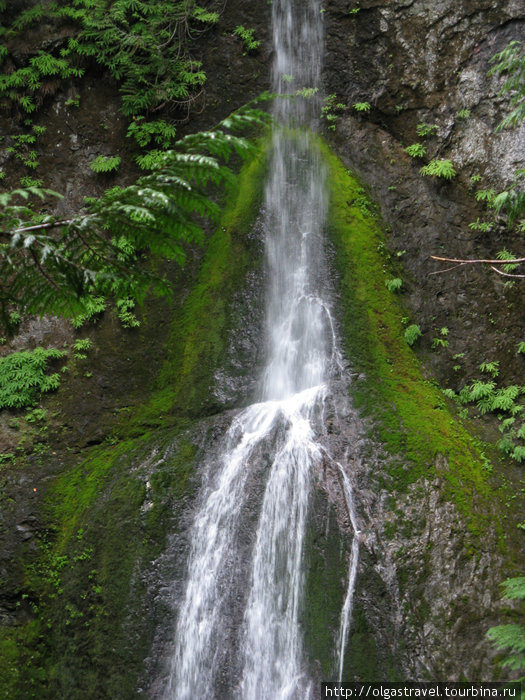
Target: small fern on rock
[439,168]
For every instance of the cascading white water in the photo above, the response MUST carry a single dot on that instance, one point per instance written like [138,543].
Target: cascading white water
[264,646]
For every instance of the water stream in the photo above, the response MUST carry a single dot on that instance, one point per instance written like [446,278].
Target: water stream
[246,643]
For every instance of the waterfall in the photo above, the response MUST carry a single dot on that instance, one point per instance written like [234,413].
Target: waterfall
[259,655]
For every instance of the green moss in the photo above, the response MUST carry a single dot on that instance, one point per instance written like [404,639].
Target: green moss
[199,332]
[326,560]
[412,419]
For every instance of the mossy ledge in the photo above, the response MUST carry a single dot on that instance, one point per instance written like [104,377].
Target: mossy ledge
[410,415]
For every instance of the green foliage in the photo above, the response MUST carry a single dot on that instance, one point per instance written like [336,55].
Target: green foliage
[463,114]
[441,342]
[439,168]
[58,267]
[81,346]
[506,402]
[73,101]
[491,368]
[27,181]
[478,225]
[511,637]
[416,150]
[158,131]
[361,106]
[394,284]
[93,306]
[521,348]
[511,61]
[425,130]
[487,196]
[20,85]
[247,36]
[125,314]
[512,200]
[412,333]
[330,109]
[144,47]
[141,44]
[307,92]
[23,376]
[507,255]
[105,164]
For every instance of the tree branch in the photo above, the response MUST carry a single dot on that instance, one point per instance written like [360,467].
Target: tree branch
[481,261]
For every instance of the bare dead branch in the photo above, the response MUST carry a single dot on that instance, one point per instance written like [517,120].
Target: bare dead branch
[475,262]
[506,274]
[492,263]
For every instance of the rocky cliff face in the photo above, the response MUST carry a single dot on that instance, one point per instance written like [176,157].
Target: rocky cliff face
[428,588]
[424,62]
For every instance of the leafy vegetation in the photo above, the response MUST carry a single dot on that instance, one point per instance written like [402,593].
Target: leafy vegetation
[143,46]
[439,168]
[23,376]
[506,402]
[412,333]
[511,62]
[361,106]
[425,130]
[394,285]
[105,164]
[416,150]
[511,637]
[330,109]
[61,266]
[247,36]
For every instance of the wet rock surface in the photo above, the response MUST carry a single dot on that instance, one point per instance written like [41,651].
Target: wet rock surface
[426,593]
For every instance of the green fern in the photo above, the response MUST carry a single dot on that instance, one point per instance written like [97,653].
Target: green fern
[504,399]
[97,254]
[491,368]
[425,130]
[511,637]
[481,390]
[394,285]
[439,168]
[158,131]
[23,377]
[105,164]
[412,334]
[511,61]
[125,314]
[247,36]
[416,150]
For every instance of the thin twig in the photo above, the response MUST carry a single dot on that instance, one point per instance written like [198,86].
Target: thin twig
[473,262]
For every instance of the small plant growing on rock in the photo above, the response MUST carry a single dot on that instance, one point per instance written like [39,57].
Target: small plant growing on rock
[394,285]
[463,114]
[412,333]
[491,368]
[426,129]
[439,168]
[23,376]
[329,108]
[416,150]
[81,346]
[250,43]
[362,106]
[105,164]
